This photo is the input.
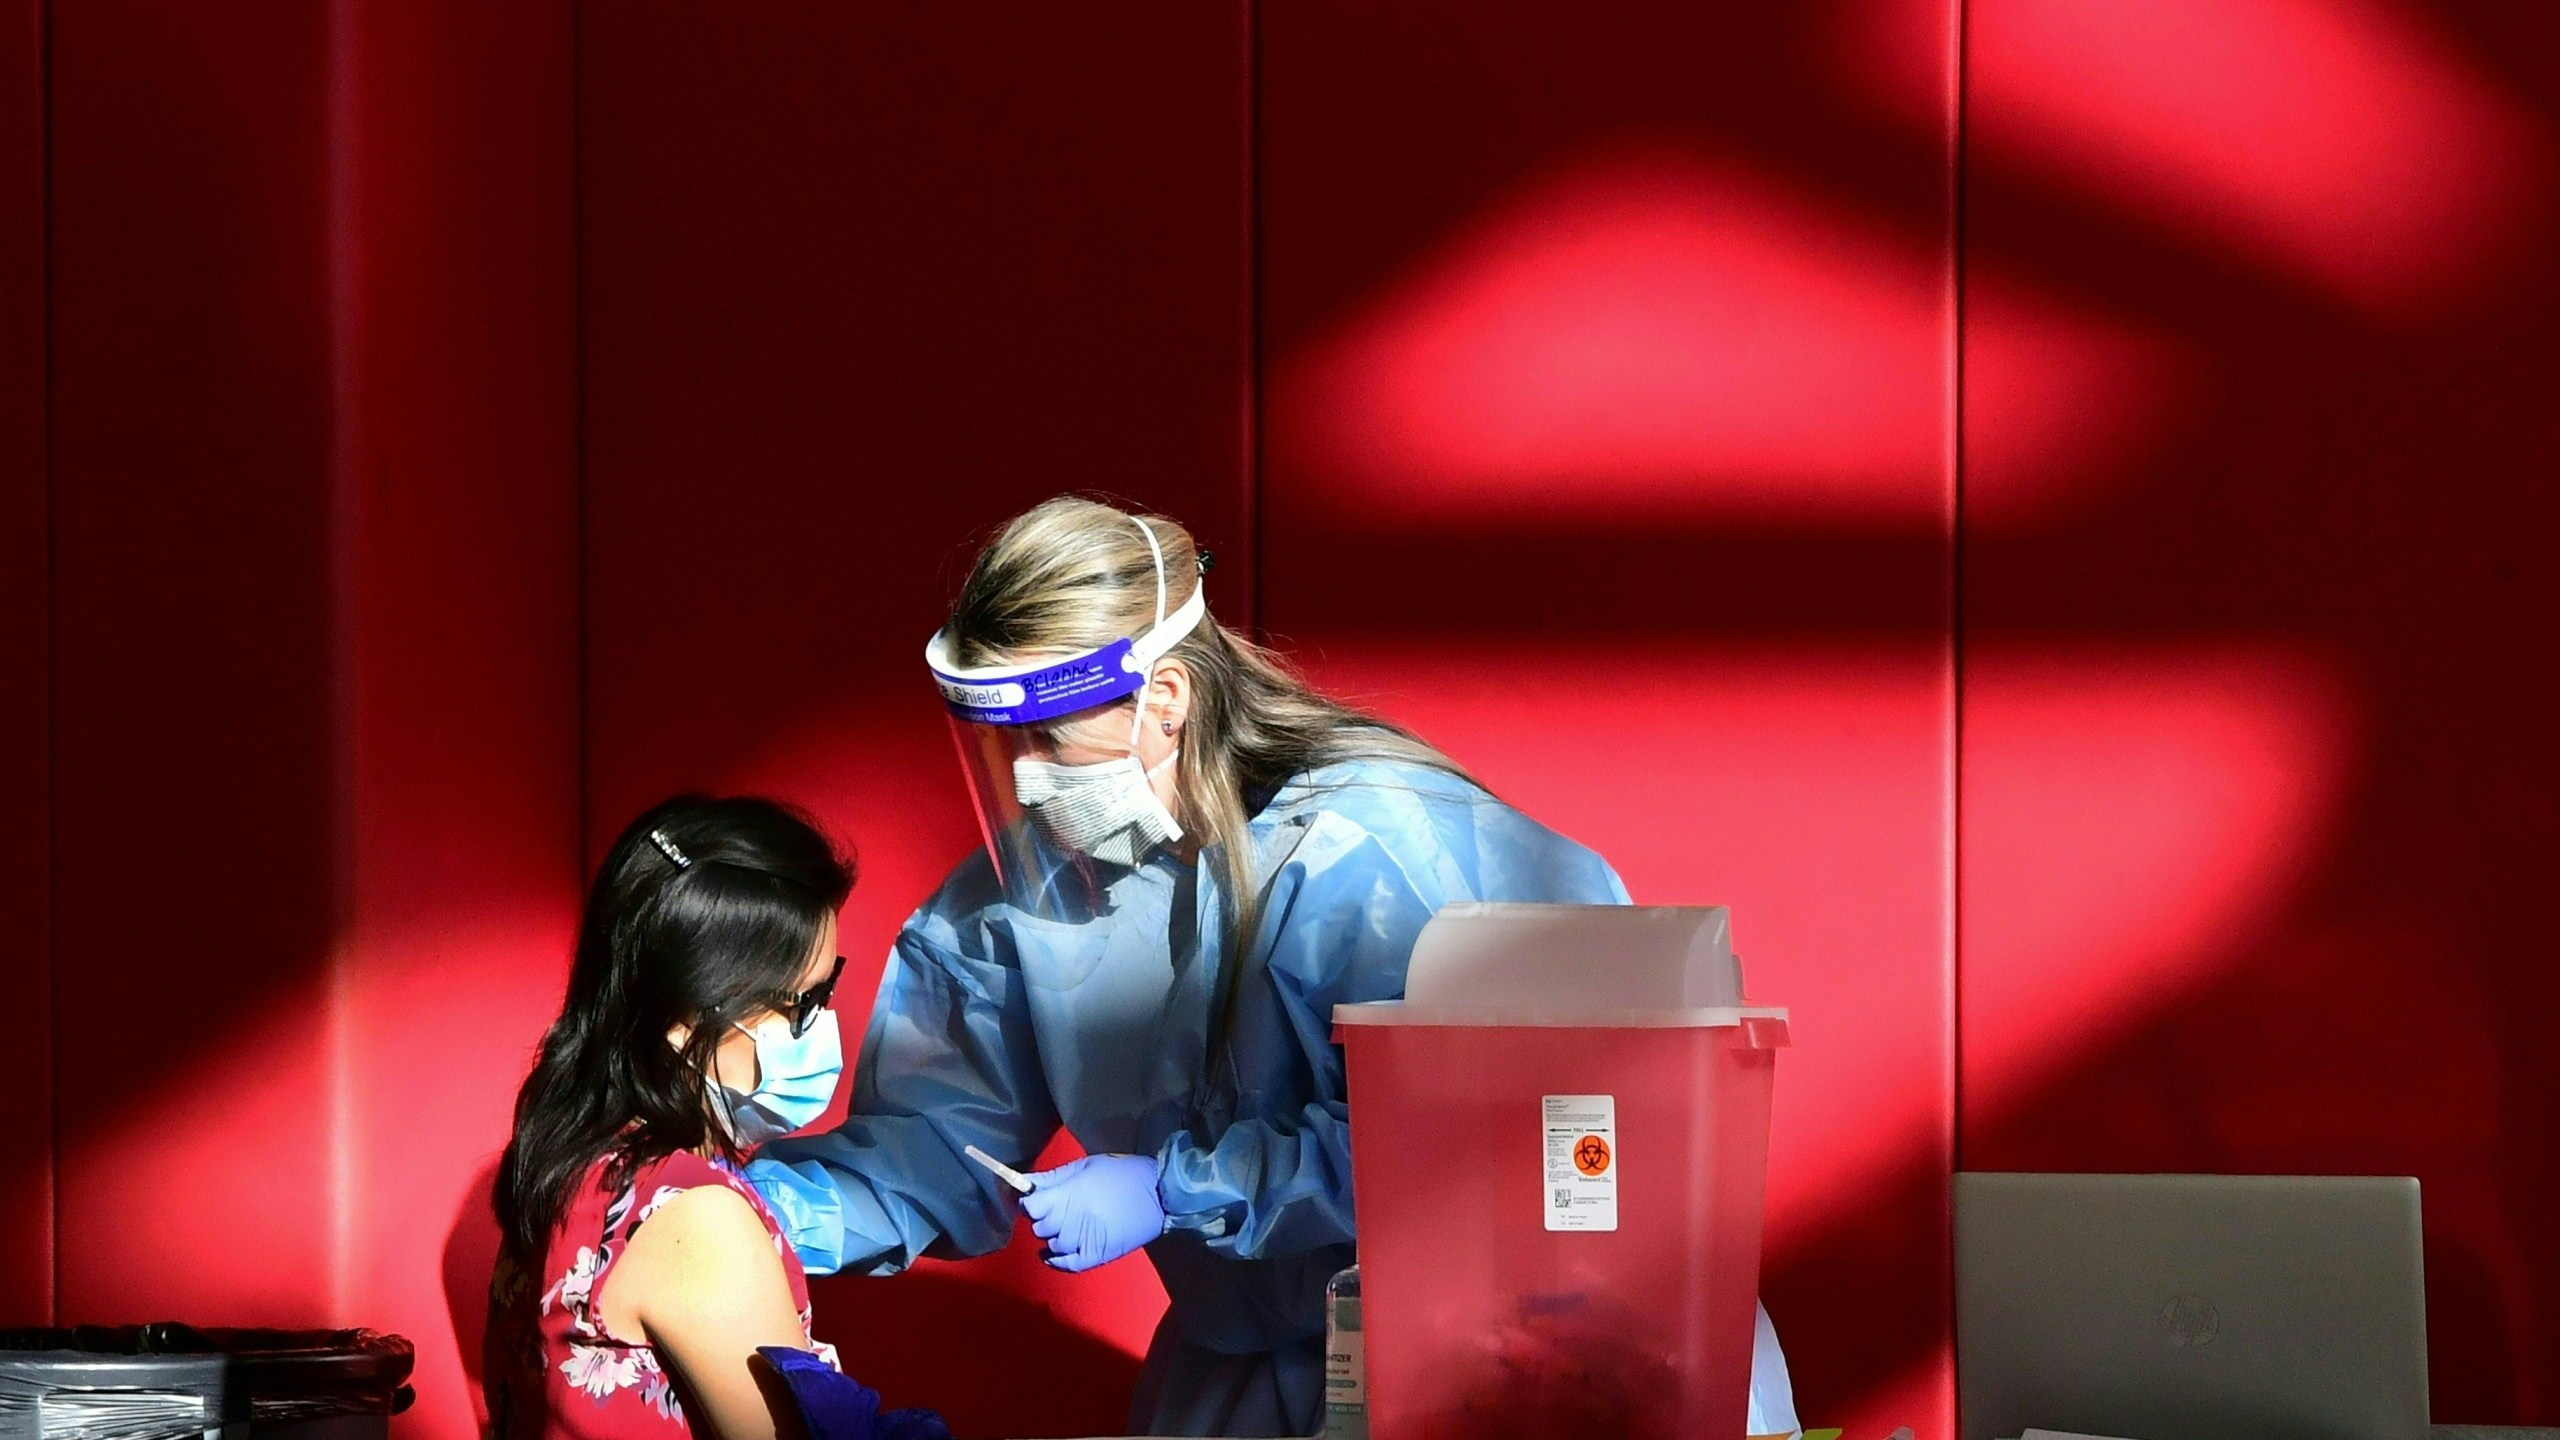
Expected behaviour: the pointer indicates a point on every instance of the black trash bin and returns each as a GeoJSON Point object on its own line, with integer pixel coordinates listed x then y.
{"type": "Point", "coordinates": [167, 1381]}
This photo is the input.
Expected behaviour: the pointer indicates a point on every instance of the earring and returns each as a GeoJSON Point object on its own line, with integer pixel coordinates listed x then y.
{"type": "Point", "coordinates": [1168, 727]}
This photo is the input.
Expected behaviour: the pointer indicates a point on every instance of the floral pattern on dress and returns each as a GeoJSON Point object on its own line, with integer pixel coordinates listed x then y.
{"type": "Point", "coordinates": [816, 1346]}
{"type": "Point", "coordinates": [600, 1370]}
{"type": "Point", "coordinates": [571, 1290]}
{"type": "Point", "coordinates": [554, 1369]}
{"type": "Point", "coordinates": [658, 1388]}
{"type": "Point", "coordinates": [658, 1202]}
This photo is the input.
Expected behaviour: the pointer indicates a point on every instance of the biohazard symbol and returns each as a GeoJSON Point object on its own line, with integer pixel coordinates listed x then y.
{"type": "Point", "coordinates": [1591, 1156]}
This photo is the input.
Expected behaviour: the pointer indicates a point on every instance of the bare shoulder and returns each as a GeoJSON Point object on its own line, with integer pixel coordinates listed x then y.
{"type": "Point", "coordinates": [705, 1249]}
{"type": "Point", "coordinates": [709, 1231]}
{"type": "Point", "coordinates": [710, 1288]}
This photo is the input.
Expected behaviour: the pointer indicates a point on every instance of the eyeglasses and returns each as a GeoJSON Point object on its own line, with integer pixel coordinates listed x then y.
{"type": "Point", "coordinates": [802, 1007]}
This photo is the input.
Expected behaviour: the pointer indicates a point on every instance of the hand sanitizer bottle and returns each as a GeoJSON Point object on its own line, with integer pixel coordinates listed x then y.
{"type": "Point", "coordinates": [1346, 1387]}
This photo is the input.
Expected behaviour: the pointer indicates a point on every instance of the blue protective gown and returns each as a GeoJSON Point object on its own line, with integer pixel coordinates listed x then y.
{"type": "Point", "coordinates": [994, 1027]}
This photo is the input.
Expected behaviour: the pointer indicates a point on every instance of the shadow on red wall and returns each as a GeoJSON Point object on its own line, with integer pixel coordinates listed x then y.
{"type": "Point", "coordinates": [2335, 968]}
{"type": "Point", "coordinates": [2205, 416]}
{"type": "Point", "coordinates": [470, 1258]}
{"type": "Point", "coordinates": [2204, 419]}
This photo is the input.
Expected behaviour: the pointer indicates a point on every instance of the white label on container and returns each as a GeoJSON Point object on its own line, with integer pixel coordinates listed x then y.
{"type": "Point", "coordinates": [1582, 1162]}
{"type": "Point", "coordinates": [1346, 1369]}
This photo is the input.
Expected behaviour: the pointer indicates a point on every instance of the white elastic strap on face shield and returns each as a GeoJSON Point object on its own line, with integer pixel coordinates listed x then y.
{"type": "Point", "coordinates": [1162, 636]}
{"type": "Point", "coordinates": [1168, 631]}
{"type": "Point", "coordinates": [1158, 551]}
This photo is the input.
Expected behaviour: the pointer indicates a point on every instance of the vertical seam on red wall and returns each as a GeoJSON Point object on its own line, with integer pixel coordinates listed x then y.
{"type": "Point", "coordinates": [51, 1244]}
{"type": "Point", "coordinates": [578, 411]}
{"type": "Point", "coordinates": [1962, 10]}
{"type": "Point", "coordinates": [342, 243]}
{"type": "Point", "coordinates": [1955, 576]}
{"type": "Point", "coordinates": [1253, 314]}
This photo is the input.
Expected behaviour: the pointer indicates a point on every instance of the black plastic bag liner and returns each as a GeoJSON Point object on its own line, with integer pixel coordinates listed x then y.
{"type": "Point", "coordinates": [165, 1381]}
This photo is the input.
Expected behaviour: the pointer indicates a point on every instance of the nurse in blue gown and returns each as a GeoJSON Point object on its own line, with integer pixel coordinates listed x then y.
{"type": "Point", "coordinates": [1191, 859]}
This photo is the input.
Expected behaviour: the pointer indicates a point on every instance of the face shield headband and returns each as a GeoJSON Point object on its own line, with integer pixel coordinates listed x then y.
{"type": "Point", "coordinates": [1048, 689]}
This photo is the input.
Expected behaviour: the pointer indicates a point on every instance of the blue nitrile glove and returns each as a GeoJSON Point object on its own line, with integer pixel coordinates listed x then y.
{"type": "Point", "coordinates": [839, 1407]}
{"type": "Point", "coordinates": [808, 1207]}
{"type": "Point", "coordinates": [1094, 1210]}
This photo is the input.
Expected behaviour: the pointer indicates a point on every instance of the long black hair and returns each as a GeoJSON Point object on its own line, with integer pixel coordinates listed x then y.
{"type": "Point", "coordinates": [701, 937]}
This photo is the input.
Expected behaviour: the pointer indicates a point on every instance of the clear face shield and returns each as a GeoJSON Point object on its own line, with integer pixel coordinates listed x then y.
{"type": "Point", "coordinates": [1050, 751]}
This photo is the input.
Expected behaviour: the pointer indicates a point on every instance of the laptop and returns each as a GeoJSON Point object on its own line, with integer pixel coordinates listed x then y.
{"type": "Point", "coordinates": [2189, 1307]}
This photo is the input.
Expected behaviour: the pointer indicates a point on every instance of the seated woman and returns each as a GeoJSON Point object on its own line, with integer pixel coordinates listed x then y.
{"type": "Point", "coordinates": [639, 1272]}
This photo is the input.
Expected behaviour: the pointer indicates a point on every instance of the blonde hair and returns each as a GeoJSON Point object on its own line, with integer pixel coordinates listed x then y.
{"type": "Point", "coordinates": [1075, 574]}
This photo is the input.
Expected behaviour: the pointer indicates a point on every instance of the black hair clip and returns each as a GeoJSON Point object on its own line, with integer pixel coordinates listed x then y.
{"type": "Point", "coordinates": [1208, 562]}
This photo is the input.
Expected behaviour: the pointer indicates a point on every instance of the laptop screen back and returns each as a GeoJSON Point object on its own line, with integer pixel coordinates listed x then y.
{"type": "Point", "coordinates": [2190, 1307]}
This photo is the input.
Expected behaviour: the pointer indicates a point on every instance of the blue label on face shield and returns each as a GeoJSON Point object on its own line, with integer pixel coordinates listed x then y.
{"type": "Point", "coordinates": [1064, 688]}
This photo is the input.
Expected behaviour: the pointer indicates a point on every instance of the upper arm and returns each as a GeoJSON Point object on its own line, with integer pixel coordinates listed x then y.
{"type": "Point", "coordinates": [709, 1287]}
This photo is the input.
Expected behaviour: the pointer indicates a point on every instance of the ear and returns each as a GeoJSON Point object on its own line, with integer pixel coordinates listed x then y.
{"type": "Point", "coordinates": [1167, 697]}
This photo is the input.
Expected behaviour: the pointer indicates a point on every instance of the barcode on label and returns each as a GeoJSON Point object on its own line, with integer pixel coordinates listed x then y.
{"type": "Point", "coordinates": [1564, 1199]}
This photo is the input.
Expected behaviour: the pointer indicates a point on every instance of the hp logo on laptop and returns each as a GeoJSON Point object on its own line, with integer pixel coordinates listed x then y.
{"type": "Point", "coordinates": [2190, 1320]}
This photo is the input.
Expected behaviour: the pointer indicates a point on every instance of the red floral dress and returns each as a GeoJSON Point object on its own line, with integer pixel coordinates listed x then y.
{"type": "Point", "coordinates": [552, 1369]}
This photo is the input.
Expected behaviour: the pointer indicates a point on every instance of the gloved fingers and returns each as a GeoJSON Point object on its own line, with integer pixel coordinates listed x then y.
{"type": "Point", "coordinates": [1037, 1205]}
{"type": "Point", "coordinates": [1073, 1262]}
{"type": "Point", "coordinates": [1048, 1226]}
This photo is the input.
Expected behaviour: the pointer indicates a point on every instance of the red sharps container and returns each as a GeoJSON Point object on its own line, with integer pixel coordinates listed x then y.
{"type": "Point", "coordinates": [1560, 1143]}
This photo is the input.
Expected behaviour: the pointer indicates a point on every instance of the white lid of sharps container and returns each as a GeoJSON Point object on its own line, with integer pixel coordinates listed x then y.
{"type": "Point", "coordinates": [1480, 963]}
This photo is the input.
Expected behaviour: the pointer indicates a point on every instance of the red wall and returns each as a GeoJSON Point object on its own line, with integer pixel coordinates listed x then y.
{"type": "Point", "coordinates": [2259, 781]}
{"type": "Point", "coordinates": [859, 283]}
{"type": "Point", "coordinates": [458, 661]}
{"type": "Point", "coordinates": [1607, 438]}
{"type": "Point", "coordinates": [313, 631]}
{"type": "Point", "coordinates": [2038, 506]}
{"type": "Point", "coordinates": [26, 852]}
{"type": "Point", "coordinates": [192, 578]}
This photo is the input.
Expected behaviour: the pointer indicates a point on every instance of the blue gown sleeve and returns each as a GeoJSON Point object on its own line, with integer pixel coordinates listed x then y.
{"type": "Point", "coordinates": [947, 1062]}
{"type": "Point", "coordinates": [1345, 910]}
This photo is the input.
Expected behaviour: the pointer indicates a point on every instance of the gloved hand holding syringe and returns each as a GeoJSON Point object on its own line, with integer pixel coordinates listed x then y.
{"type": "Point", "coordinates": [1091, 1211]}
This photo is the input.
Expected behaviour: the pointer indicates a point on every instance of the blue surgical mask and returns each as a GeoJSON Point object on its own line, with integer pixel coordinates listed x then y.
{"type": "Point", "coordinates": [796, 1076]}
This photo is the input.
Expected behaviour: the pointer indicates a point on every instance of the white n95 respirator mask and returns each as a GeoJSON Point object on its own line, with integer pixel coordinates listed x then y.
{"type": "Point", "coordinates": [795, 1077]}
{"type": "Point", "coordinates": [1108, 811]}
